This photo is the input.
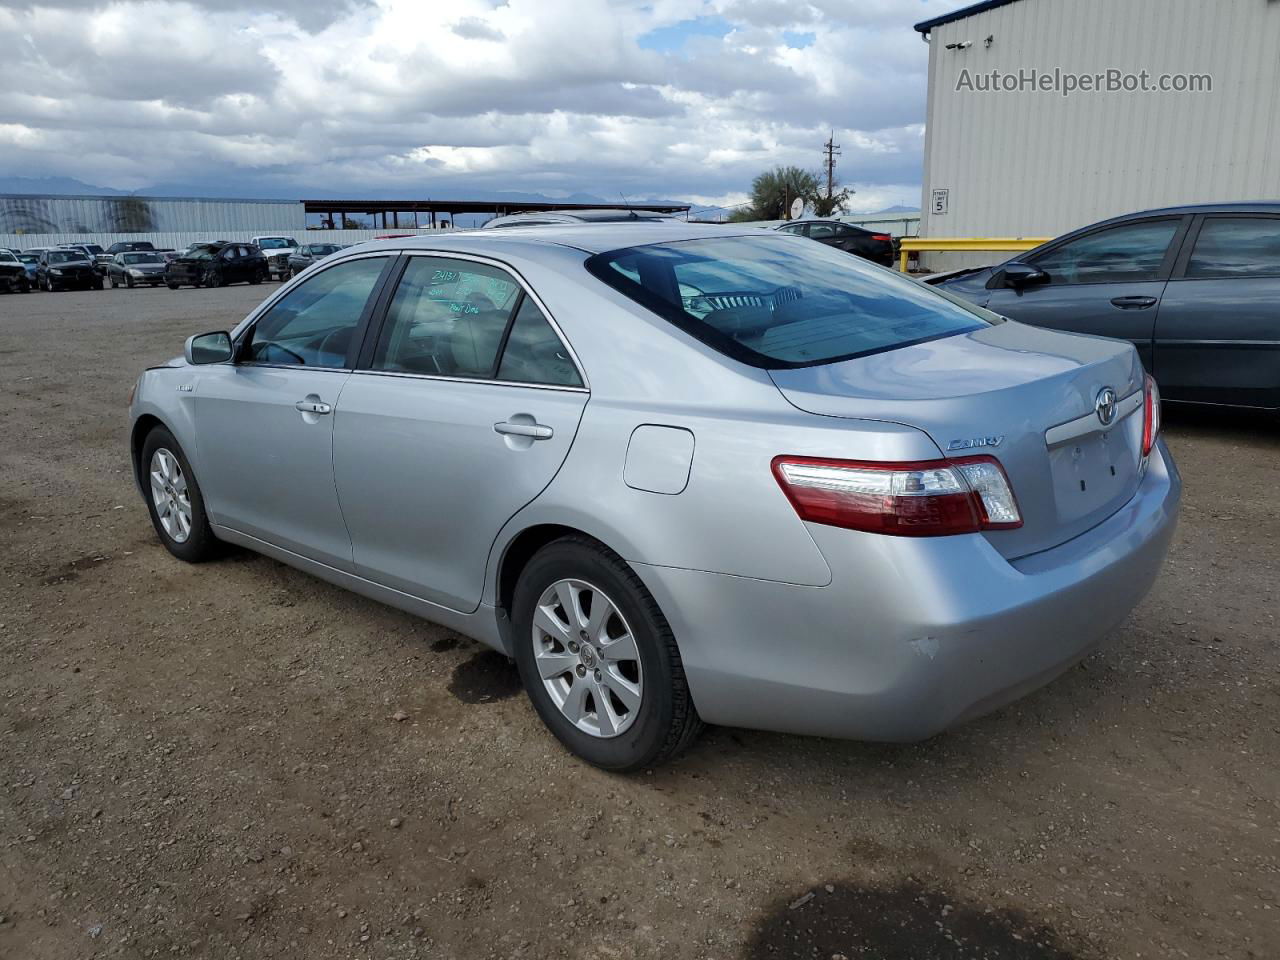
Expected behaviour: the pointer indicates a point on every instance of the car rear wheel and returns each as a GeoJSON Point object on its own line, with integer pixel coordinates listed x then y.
{"type": "Point", "coordinates": [598, 659]}
{"type": "Point", "coordinates": [174, 499]}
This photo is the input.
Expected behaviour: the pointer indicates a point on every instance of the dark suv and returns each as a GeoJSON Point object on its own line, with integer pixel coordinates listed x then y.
{"type": "Point", "coordinates": [217, 264]}
{"type": "Point", "coordinates": [67, 269]}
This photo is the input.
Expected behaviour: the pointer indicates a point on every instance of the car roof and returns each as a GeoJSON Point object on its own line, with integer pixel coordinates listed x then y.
{"type": "Point", "coordinates": [587, 237]}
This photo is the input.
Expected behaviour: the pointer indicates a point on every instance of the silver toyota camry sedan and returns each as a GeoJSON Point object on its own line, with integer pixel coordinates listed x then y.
{"type": "Point", "coordinates": [680, 473]}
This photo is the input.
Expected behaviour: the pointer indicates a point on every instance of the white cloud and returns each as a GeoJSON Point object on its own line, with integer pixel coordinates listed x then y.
{"type": "Point", "coordinates": [554, 96]}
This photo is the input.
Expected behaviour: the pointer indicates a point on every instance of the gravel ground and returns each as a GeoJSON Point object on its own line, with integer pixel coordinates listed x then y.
{"type": "Point", "coordinates": [236, 760]}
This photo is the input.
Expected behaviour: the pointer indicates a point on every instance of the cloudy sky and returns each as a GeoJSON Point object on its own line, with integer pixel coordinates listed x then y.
{"type": "Point", "coordinates": [650, 98]}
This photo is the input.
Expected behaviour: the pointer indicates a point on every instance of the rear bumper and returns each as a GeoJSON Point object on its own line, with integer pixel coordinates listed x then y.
{"type": "Point", "coordinates": [913, 635]}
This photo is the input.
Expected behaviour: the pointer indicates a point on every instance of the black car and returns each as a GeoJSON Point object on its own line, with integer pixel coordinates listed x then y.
{"type": "Point", "coordinates": [1194, 288]}
{"type": "Point", "coordinates": [13, 275]}
{"type": "Point", "coordinates": [67, 270]}
{"type": "Point", "coordinates": [876, 247]}
{"type": "Point", "coordinates": [93, 250]}
{"type": "Point", "coordinates": [217, 264]}
{"type": "Point", "coordinates": [307, 254]}
{"type": "Point", "coordinates": [136, 269]}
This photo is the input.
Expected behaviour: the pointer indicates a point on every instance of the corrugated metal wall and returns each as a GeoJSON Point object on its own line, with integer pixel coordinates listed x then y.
{"type": "Point", "coordinates": [179, 241]}
{"type": "Point", "coordinates": [44, 215]}
{"type": "Point", "coordinates": [1039, 164]}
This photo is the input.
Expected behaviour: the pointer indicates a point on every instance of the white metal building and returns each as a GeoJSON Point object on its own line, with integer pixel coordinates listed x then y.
{"type": "Point", "coordinates": [1040, 159]}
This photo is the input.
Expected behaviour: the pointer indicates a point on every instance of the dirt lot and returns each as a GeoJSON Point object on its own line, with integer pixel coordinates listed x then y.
{"type": "Point", "coordinates": [204, 761]}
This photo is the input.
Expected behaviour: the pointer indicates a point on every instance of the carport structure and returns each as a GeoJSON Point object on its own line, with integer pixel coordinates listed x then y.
{"type": "Point", "coordinates": [429, 214]}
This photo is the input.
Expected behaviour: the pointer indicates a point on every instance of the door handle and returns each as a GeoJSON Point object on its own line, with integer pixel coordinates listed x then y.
{"type": "Point", "coordinates": [535, 431]}
{"type": "Point", "coordinates": [1133, 303]}
{"type": "Point", "coordinates": [312, 406]}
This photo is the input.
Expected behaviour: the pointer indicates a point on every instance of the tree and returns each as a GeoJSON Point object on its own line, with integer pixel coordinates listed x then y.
{"type": "Point", "coordinates": [773, 191]}
{"type": "Point", "coordinates": [824, 205]}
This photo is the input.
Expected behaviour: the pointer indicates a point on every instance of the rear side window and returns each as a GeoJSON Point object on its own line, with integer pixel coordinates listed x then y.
{"type": "Point", "coordinates": [447, 318]}
{"type": "Point", "coordinates": [1128, 253]}
{"type": "Point", "coordinates": [534, 354]}
{"type": "Point", "coordinates": [1236, 247]}
{"type": "Point", "coordinates": [771, 302]}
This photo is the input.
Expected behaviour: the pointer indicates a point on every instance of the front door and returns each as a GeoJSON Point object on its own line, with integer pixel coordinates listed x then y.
{"type": "Point", "coordinates": [463, 415]}
{"type": "Point", "coordinates": [1218, 336]}
{"type": "Point", "coordinates": [1107, 282]}
{"type": "Point", "coordinates": [264, 424]}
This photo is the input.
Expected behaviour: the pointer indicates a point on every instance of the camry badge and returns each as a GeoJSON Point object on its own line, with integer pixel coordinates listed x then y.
{"type": "Point", "coordinates": [976, 442]}
{"type": "Point", "coordinates": [1105, 406]}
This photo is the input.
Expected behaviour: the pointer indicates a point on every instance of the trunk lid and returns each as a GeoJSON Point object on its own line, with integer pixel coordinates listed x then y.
{"type": "Point", "coordinates": [1034, 389]}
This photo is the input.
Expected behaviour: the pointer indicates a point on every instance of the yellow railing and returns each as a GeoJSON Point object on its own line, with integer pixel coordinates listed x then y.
{"type": "Point", "coordinates": [957, 244]}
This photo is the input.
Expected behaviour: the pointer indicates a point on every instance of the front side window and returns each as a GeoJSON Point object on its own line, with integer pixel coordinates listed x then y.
{"type": "Point", "coordinates": [774, 303]}
{"type": "Point", "coordinates": [1236, 247]}
{"type": "Point", "coordinates": [1130, 253]}
{"type": "Point", "coordinates": [447, 318]}
{"type": "Point", "coordinates": [314, 324]}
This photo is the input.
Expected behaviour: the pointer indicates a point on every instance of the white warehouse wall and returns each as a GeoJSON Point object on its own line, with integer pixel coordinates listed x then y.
{"type": "Point", "coordinates": [1040, 164]}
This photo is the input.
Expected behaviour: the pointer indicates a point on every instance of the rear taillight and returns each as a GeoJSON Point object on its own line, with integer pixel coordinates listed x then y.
{"type": "Point", "coordinates": [882, 237]}
{"type": "Point", "coordinates": [1150, 415]}
{"type": "Point", "coordinates": [923, 499]}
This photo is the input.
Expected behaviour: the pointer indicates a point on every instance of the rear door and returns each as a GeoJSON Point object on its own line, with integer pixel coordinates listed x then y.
{"type": "Point", "coordinates": [460, 415]}
{"type": "Point", "coordinates": [1217, 338]}
{"type": "Point", "coordinates": [1106, 282]}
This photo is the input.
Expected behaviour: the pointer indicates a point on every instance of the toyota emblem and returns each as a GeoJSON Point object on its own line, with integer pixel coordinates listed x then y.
{"type": "Point", "coordinates": [1105, 406]}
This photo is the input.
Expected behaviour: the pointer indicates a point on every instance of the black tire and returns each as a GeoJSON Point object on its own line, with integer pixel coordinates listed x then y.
{"type": "Point", "coordinates": [128, 281]}
{"type": "Point", "coordinates": [666, 722]}
{"type": "Point", "coordinates": [114, 284]}
{"type": "Point", "coordinates": [171, 285]}
{"type": "Point", "coordinates": [201, 544]}
{"type": "Point", "coordinates": [212, 278]}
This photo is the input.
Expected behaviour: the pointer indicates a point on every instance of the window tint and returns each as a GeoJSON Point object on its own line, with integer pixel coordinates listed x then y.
{"type": "Point", "coordinates": [447, 318]}
{"type": "Point", "coordinates": [771, 302]}
{"type": "Point", "coordinates": [821, 231]}
{"type": "Point", "coordinates": [314, 323]}
{"type": "Point", "coordinates": [1236, 247]}
{"type": "Point", "coordinates": [534, 353]}
{"type": "Point", "coordinates": [794, 228]}
{"type": "Point", "coordinates": [1130, 252]}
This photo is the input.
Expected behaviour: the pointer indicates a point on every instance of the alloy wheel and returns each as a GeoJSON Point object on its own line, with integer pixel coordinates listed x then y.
{"type": "Point", "coordinates": [587, 658]}
{"type": "Point", "coordinates": [170, 496]}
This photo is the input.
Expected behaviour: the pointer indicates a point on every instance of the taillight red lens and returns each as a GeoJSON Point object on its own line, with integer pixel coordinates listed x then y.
{"type": "Point", "coordinates": [929, 498]}
{"type": "Point", "coordinates": [1150, 415]}
{"type": "Point", "coordinates": [882, 237]}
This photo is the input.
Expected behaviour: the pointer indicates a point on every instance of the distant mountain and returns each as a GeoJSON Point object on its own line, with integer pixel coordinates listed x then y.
{"type": "Point", "coordinates": [54, 185]}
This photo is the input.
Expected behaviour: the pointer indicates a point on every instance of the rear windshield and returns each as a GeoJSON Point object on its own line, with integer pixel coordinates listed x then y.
{"type": "Point", "coordinates": [778, 301]}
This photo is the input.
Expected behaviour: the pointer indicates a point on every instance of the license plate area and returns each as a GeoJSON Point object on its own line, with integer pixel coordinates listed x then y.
{"type": "Point", "coordinates": [1096, 472]}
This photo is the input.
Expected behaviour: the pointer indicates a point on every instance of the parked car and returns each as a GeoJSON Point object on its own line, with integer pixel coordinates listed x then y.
{"type": "Point", "coordinates": [876, 247]}
{"type": "Point", "coordinates": [133, 269]}
{"type": "Point", "coordinates": [93, 251]}
{"type": "Point", "coordinates": [544, 218]}
{"type": "Point", "coordinates": [1194, 288]}
{"type": "Point", "coordinates": [216, 265]}
{"type": "Point", "coordinates": [307, 255]}
{"type": "Point", "coordinates": [31, 261]}
{"type": "Point", "coordinates": [277, 250]}
{"type": "Point", "coordinates": [902, 511]}
{"type": "Point", "coordinates": [67, 269]}
{"type": "Point", "coordinates": [13, 275]}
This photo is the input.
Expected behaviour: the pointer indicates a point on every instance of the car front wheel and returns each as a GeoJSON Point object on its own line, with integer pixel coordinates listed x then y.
{"type": "Point", "coordinates": [174, 499]}
{"type": "Point", "coordinates": [598, 659]}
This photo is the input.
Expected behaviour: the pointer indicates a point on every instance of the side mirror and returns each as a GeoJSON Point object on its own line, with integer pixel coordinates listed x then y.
{"type": "Point", "coordinates": [208, 348]}
{"type": "Point", "coordinates": [1017, 275]}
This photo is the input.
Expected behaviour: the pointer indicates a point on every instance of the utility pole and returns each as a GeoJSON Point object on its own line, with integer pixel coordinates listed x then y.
{"type": "Point", "coordinates": [832, 150]}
